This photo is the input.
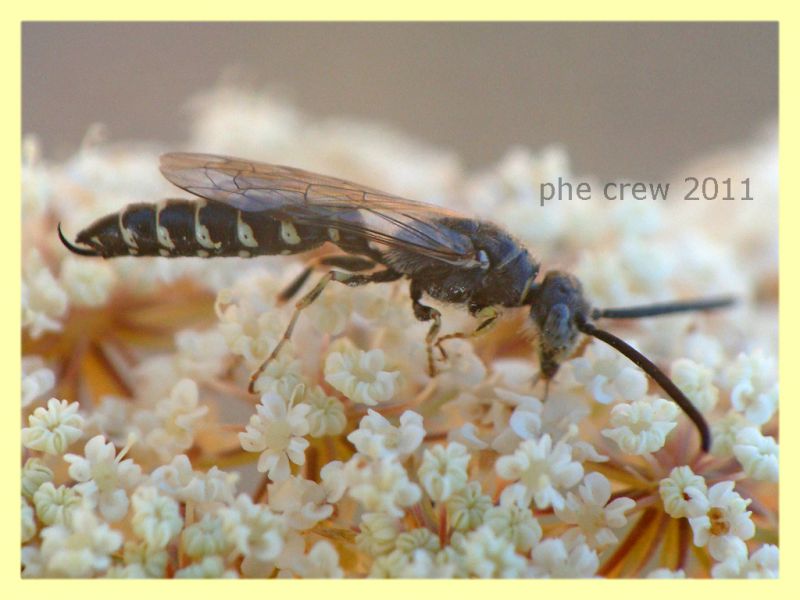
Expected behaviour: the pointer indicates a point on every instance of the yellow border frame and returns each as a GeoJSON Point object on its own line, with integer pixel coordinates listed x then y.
{"type": "Point", "coordinates": [409, 10]}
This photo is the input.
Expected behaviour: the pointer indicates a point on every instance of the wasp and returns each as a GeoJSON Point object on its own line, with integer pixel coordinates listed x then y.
{"type": "Point", "coordinates": [245, 208]}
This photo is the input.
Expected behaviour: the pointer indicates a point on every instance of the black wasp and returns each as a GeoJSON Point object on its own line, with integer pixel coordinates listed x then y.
{"type": "Point", "coordinates": [248, 208]}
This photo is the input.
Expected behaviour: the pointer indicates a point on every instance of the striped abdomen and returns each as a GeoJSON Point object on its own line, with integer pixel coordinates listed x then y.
{"type": "Point", "coordinates": [202, 228]}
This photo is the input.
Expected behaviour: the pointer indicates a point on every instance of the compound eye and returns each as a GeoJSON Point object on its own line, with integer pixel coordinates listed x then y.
{"type": "Point", "coordinates": [483, 258]}
{"type": "Point", "coordinates": [557, 325]}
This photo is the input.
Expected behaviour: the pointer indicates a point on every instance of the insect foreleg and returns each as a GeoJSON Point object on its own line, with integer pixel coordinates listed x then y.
{"type": "Point", "coordinates": [349, 279]}
{"type": "Point", "coordinates": [350, 263]}
{"type": "Point", "coordinates": [488, 318]}
{"type": "Point", "coordinates": [426, 313]}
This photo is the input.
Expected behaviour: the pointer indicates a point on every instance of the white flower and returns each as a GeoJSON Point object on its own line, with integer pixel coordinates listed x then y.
{"type": "Point", "coordinates": [757, 453]}
{"type": "Point", "coordinates": [542, 470]}
{"type": "Point", "coordinates": [492, 409]}
{"type": "Point", "coordinates": [696, 381]}
{"type": "Point", "coordinates": [132, 571]}
{"type": "Point", "coordinates": [724, 432]}
{"type": "Point", "coordinates": [421, 564]}
{"type": "Point", "coordinates": [395, 564]}
{"type": "Point", "coordinates": [666, 574]}
{"type": "Point", "coordinates": [334, 480]}
{"type": "Point", "coordinates": [703, 348]}
{"type": "Point", "coordinates": [277, 431]}
{"type": "Point", "coordinates": [87, 282]}
{"type": "Point", "coordinates": [488, 554]}
{"type": "Point", "coordinates": [635, 270]}
{"type": "Point", "coordinates": [566, 557]}
{"type": "Point", "coordinates": [37, 380]}
{"type": "Point", "coordinates": [31, 562]}
{"type": "Point", "coordinates": [417, 539]}
{"type": "Point", "coordinates": [37, 182]}
{"type": "Point", "coordinates": [326, 416]}
{"type": "Point", "coordinates": [253, 529]}
{"type": "Point", "coordinates": [54, 428]}
{"type": "Point", "coordinates": [34, 474]}
{"type": "Point", "coordinates": [156, 377]}
{"type": "Point", "coordinates": [56, 505]}
{"type": "Point", "coordinates": [300, 501]}
{"type": "Point", "coordinates": [113, 418]}
{"type": "Point", "coordinates": [376, 437]}
{"type": "Point", "coordinates": [642, 426]}
{"type": "Point", "coordinates": [140, 556]}
{"type": "Point", "coordinates": [104, 477]}
{"type": "Point", "coordinates": [200, 354]}
{"type": "Point", "coordinates": [515, 523]}
{"type": "Point", "coordinates": [205, 538]}
{"type": "Point", "coordinates": [331, 312]}
{"type": "Point", "coordinates": [463, 369]}
{"type": "Point", "coordinates": [754, 387]}
{"type": "Point", "coordinates": [727, 518]}
{"type": "Point", "coordinates": [607, 375]}
{"type": "Point", "coordinates": [444, 470]}
{"type": "Point", "coordinates": [513, 185]}
{"type": "Point", "coordinates": [281, 375]}
{"type": "Point", "coordinates": [381, 486]}
{"type": "Point", "coordinates": [525, 424]}
{"type": "Point", "coordinates": [321, 562]}
{"type": "Point", "coordinates": [732, 557]}
{"type": "Point", "coordinates": [178, 417]}
{"type": "Point", "coordinates": [467, 435]}
{"type": "Point", "coordinates": [583, 451]}
{"type": "Point", "coordinates": [360, 376]}
{"type": "Point", "coordinates": [248, 317]}
{"type": "Point", "coordinates": [156, 518]}
{"type": "Point", "coordinates": [763, 563]}
{"type": "Point", "coordinates": [44, 302]}
{"type": "Point", "coordinates": [466, 507]}
{"type": "Point", "coordinates": [594, 515]}
{"type": "Point", "coordinates": [683, 493]}
{"type": "Point", "coordinates": [210, 567]}
{"type": "Point", "coordinates": [180, 481]}
{"type": "Point", "coordinates": [82, 549]}
{"type": "Point", "coordinates": [377, 533]}
{"type": "Point", "coordinates": [28, 521]}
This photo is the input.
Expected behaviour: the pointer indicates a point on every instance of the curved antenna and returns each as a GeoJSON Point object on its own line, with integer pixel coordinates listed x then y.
{"type": "Point", "coordinates": [658, 376]}
{"type": "Point", "coordinates": [666, 308]}
{"type": "Point", "coordinates": [73, 248]}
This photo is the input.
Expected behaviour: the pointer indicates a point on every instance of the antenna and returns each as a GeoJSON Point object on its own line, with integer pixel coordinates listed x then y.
{"type": "Point", "coordinates": [653, 371]}
{"type": "Point", "coordinates": [666, 308]}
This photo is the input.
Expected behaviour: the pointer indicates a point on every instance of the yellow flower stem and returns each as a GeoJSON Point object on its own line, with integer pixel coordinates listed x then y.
{"type": "Point", "coordinates": [261, 494]}
{"type": "Point", "coordinates": [443, 529]}
{"type": "Point", "coordinates": [616, 562]}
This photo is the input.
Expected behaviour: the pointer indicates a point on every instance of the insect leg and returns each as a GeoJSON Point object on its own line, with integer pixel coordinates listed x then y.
{"type": "Point", "coordinates": [350, 263]}
{"type": "Point", "coordinates": [488, 316]}
{"type": "Point", "coordinates": [426, 313]}
{"type": "Point", "coordinates": [349, 279]}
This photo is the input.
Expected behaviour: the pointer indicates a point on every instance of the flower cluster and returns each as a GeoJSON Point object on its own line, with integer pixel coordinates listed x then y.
{"type": "Point", "coordinates": [144, 454]}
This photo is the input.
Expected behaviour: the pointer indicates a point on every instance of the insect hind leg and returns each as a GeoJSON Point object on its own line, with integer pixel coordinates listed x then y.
{"type": "Point", "coordinates": [349, 263]}
{"type": "Point", "coordinates": [350, 279]}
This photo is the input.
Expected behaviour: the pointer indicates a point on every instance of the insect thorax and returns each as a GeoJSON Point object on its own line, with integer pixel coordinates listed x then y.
{"type": "Point", "coordinates": [500, 273]}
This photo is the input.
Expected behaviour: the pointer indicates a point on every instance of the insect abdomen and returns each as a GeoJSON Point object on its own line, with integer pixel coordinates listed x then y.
{"type": "Point", "coordinates": [203, 228]}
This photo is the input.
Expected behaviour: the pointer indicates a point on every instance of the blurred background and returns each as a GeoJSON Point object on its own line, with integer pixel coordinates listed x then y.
{"type": "Point", "coordinates": [625, 99]}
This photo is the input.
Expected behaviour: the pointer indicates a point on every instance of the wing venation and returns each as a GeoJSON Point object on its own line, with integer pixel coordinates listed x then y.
{"type": "Point", "coordinates": [321, 200]}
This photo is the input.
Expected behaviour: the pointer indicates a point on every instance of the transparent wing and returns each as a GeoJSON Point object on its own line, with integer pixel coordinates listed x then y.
{"type": "Point", "coordinates": [320, 200]}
